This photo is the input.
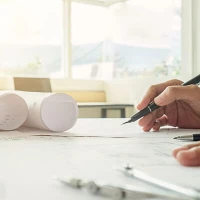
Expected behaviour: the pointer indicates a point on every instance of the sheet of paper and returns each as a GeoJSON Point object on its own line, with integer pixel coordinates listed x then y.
{"type": "Point", "coordinates": [27, 174]}
{"type": "Point", "coordinates": [109, 128]}
{"type": "Point", "coordinates": [113, 128]}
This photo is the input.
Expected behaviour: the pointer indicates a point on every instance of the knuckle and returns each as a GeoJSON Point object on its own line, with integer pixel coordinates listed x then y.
{"type": "Point", "coordinates": [177, 81]}
{"type": "Point", "coordinates": [153, 89]}
{"type": "Point", "coordinates": [171, 90]}
{"type": "Point", "coordinates": [174, 82]}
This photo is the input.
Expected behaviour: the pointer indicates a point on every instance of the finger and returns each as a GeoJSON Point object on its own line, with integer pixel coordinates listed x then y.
{"type": "Point", "coordinates": [147, 122]}
{"type": "Point", "coordinates": [190, 93]}
{"type": "Point", "coordinates": [162, 121]}
{"type": "Point", "coordinates": [176, 151]}
{"type": "Point", "coordinates": [151, 117]}
{"type": "Point", "coordinates": [190, 157]}
{"type": "Point", "coordinates": [156, 126]}
{"type": "Point", "coordinates": [154, 91]}
{"type": "Point", "coordinates": [188, 146]}
{"type": "Point", "coordinates": [150, 125]}
{"type": "Point", "coordinates": [185, 147]}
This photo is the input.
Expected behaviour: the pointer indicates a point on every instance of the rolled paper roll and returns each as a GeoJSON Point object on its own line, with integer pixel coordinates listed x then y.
{"type": "Point", "coordinates": [50, 111]}
{"type": "Point", "coordinates": [13, 111]}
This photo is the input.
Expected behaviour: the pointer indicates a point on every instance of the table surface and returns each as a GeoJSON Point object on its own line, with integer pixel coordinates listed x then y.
{"type": "Point", "coordinates": [28, 163]}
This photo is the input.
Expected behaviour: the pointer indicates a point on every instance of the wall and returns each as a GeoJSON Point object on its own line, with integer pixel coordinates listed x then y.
{"type": "Point", "coordinates": [129, 91]}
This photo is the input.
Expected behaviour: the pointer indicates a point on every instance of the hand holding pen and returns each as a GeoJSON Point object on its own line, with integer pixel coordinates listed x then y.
{"type": "Point", "coordinates": [178, 106]}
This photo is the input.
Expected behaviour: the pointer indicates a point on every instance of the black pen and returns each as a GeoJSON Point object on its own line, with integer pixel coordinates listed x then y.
{"type": "Point", "coordinates": [193, 137]}
{"type": "Point", "coordinates": [152, 106]}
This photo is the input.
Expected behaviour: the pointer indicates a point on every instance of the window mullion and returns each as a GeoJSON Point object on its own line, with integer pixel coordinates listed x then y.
{"type": "Point", "coordinates": [195, 36]}
{"type": "Point", "coordinates": [187, 57]}
{"type": "Point", "coordinates": [67, 47]}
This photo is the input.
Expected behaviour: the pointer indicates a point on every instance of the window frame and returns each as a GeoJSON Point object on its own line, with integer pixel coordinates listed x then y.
{"type": "Point", "coordinates": [195, 37]}
{"type": "Point", "coordinates": [187, 46]}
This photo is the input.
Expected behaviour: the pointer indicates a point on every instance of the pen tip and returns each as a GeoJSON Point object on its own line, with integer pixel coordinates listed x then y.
{"type": "Point", "coordinates": [127, 122]}
{"type": "Point", "coordinates": [124, 123]}
{"type": "Point", "coordinates": [175, 138]}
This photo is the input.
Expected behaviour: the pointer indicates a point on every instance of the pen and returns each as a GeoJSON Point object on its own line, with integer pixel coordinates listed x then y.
{"type": "Point", "coordinates": [152, 106]}
{"type": "Point", "coordinates": [193, 137]}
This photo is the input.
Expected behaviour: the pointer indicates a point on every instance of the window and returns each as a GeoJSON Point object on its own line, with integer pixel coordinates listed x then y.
{"type": "Point", "coordinates": [110, 39]}
{"type": "Point", "coordinates": [127, 39]}
{"type": "Point", "coordinates": [88, 36]}
{"type": "Point", "coordinates": [30, 37]}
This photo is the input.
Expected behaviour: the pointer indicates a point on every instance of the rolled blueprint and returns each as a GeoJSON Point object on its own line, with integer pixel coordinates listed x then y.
{"type": "Point", "coordinates": [50, 111]}
{"type": "Point", "coordinates": [13, 111]}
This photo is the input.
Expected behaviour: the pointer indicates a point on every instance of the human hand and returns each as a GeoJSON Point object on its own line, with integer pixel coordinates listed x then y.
{"type": "Point", "coordinates": [188, 155]}
{"type": "Point", "coordinates": [180, 106]}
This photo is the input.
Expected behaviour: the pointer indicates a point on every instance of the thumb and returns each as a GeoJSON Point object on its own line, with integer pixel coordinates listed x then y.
{"type": "Point", "coordinates": [190, 93]}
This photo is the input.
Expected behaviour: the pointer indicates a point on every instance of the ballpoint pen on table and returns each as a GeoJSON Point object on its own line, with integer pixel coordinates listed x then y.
{"type": "Point", "coordinates": [186, 192]}
{"type": "Point", "coordinates": [112, 191]}
{"type": "Point", "coordinates": [152, 106]}
{"type": "Point", "coordinates": [193, 137]}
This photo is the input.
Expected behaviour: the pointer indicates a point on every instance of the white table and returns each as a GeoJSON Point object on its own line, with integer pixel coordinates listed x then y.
{"type": "Point", "coordinates": [28, 163]}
